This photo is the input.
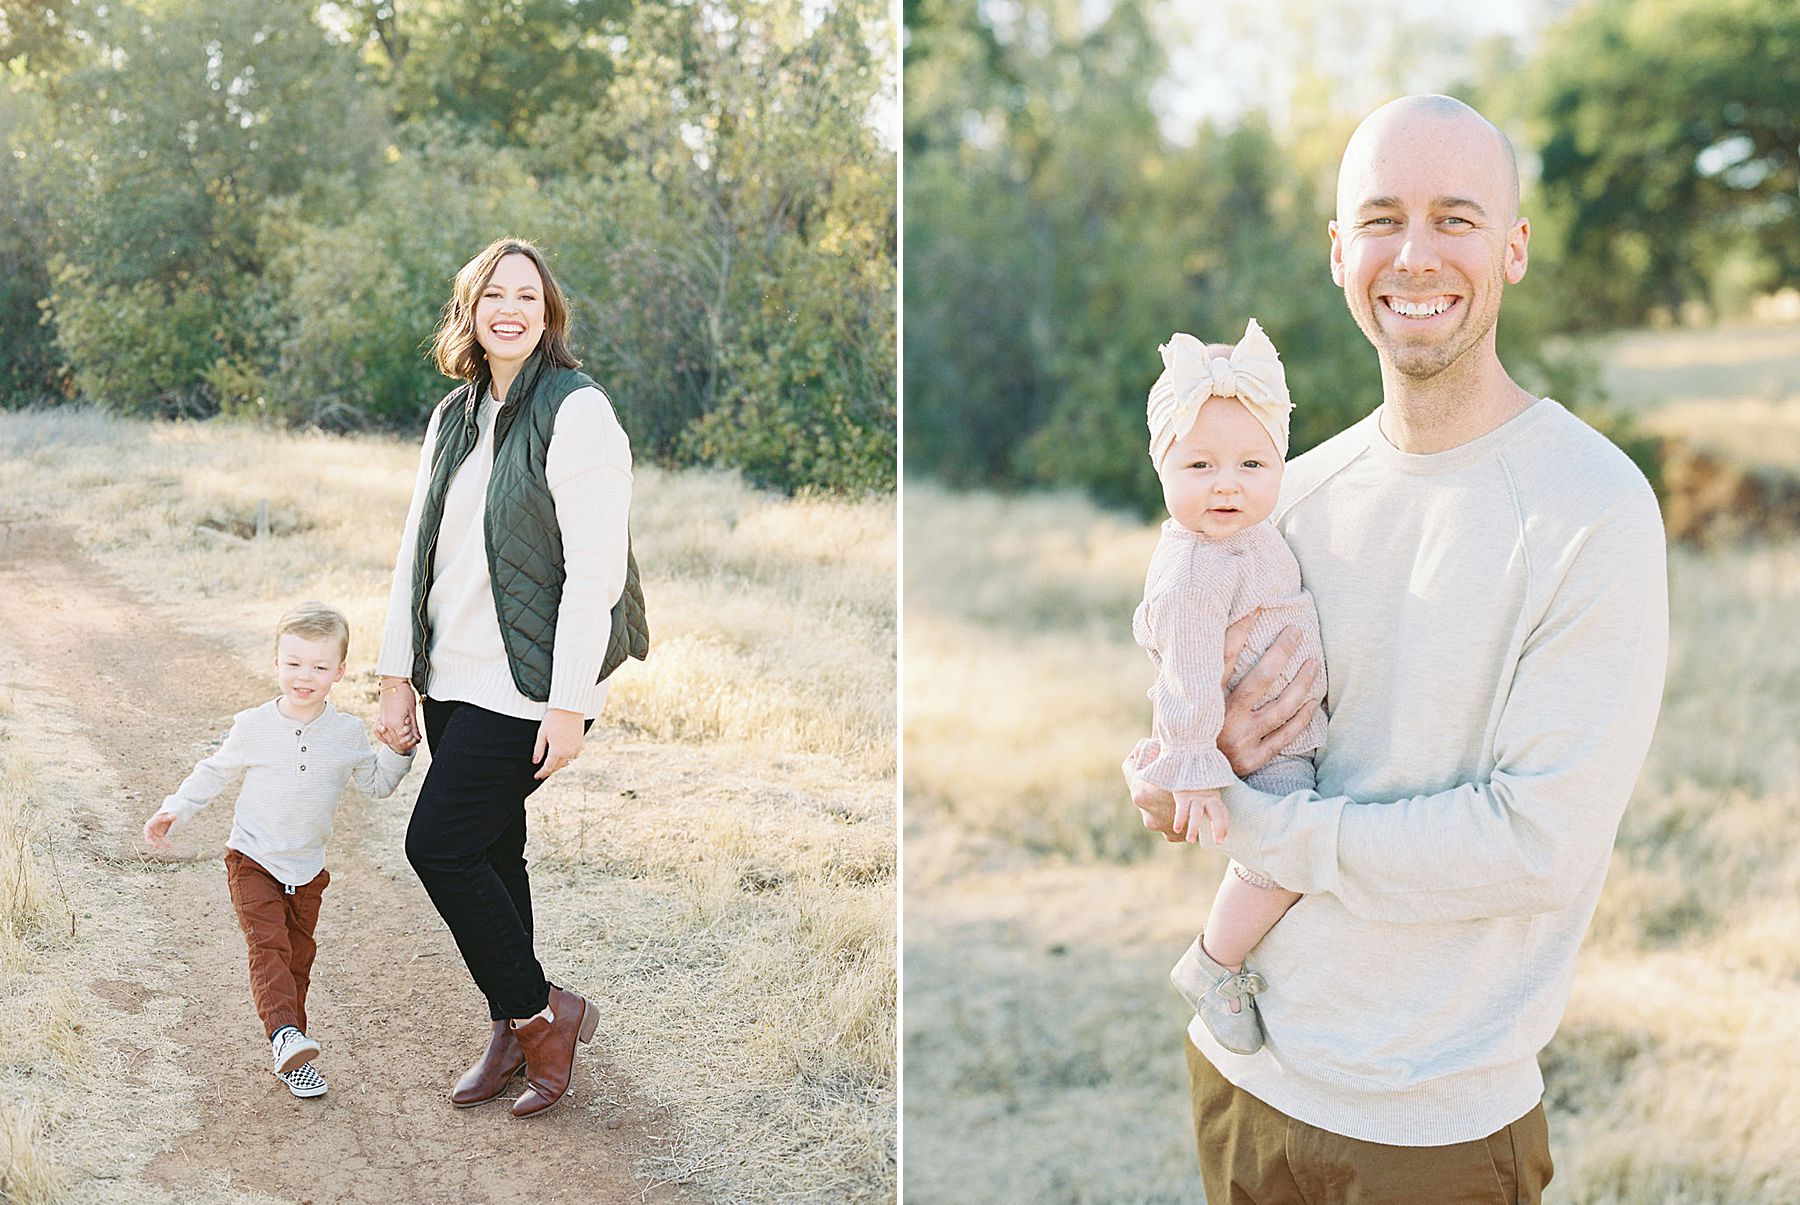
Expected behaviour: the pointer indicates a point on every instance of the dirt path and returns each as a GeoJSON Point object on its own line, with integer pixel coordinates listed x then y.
{"type": "Point", "coordinates": [391, 1002]}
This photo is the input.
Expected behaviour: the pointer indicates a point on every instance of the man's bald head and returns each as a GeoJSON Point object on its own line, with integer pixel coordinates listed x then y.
{"type": "Point", "coordinates": [1435, 121]}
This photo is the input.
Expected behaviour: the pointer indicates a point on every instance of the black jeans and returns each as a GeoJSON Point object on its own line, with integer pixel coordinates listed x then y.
{"type": "Point", "coordinates": [466, 842]}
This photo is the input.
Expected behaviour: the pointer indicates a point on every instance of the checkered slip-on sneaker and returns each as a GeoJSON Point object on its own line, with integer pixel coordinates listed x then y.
{"type": "Point", "coordinates": [303, 1080]}
{"type": "Point", "coordinates": [290, 1048]}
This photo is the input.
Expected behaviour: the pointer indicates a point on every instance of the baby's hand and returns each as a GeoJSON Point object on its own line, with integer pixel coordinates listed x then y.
{"type": "Point", "coordinates": [156, 829]}
{"type": "Point", "coordinates": [1191, 807]}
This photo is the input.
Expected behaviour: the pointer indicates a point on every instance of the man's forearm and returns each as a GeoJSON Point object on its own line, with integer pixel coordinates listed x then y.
{"type": "Point", "coordinates": [1577, 712]}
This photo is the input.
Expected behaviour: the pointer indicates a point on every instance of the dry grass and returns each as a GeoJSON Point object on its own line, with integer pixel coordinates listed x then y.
{"type": "Point", "coordinates": [1055, 1075]}
{"type": "Point", "coordinates": [1731, 390]}
{"type": "Point", "coordinates": [76, 1083]}
{"type": "Point", "coordinates": [26, 1177]}
{"type": "Point", "coordinates": [1020, 664]}
{"type": "Point", "coordinates": [773, 618]}
{"type": "Point", "coordinates": [1734, 360]}
{"type": "Point", "coordinates": [722, 859]}
{"type": "Point", "coordinates": [27, 1173]}
{"type": "Point", "coordinates": [25, 903]}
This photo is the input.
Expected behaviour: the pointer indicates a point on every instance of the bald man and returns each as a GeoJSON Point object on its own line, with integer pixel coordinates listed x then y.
{"type": "Point", "coordinates": [1490, 579]}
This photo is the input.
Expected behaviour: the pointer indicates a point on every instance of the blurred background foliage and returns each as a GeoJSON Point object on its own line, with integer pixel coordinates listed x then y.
{"type": "Point", "coordinates": [257, 209]}
{"type": "Point", "coordinates": [1063, 217]}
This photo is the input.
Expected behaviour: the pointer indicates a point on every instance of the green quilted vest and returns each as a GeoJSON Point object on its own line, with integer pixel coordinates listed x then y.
{"type": "Point", "coordinates": [524, 543]}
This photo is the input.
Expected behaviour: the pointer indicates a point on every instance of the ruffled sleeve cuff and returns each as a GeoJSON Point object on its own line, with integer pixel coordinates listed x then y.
{"type": "Point", "coordinates": [1196, 768]}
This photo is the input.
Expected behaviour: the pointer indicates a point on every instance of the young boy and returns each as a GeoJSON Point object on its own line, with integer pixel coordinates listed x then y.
{"type": "Point", "coordinates": [295, 753]}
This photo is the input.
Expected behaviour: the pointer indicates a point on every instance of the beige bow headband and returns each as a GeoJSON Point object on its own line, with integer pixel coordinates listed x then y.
{"type": "Point", "coordinates": [1253, 375]}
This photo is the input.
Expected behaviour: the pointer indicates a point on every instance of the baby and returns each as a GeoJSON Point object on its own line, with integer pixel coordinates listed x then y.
{"type": "Point", "coordinates": [1218, 420]}
{"type": "Point", "coordinates": [295, 752]}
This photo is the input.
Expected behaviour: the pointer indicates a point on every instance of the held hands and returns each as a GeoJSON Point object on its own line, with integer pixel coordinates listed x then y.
{"type": "Point", "coordinates": [156, 829]}
{"type": "Point", "coordinates": [558, 741]}
{"type": "Point", "coordinates": [1156, 806]}
{"type": "Point", "coordinates": [1191, 807]}
{"type": "Point", "coordinates": [397, 726]}
{"type": "Point", "coordinates": [1178, 816]}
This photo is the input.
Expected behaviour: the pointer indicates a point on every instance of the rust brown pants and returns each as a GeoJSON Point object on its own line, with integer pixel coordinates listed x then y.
{"type": "Point", "coordinates": [278, 928]}
{"type": "Point", "coordinates": [1249, 1152]}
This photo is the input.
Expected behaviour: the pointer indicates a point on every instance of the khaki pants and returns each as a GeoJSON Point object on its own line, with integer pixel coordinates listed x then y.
{"type": "Point", "coordinates": [278, 928]}
{"type": "Point", "coordinates": [1249, 1152]}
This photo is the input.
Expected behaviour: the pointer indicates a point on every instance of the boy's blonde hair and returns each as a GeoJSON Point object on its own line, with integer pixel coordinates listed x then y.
{"type": "Point", "coordinates": [315, 621]}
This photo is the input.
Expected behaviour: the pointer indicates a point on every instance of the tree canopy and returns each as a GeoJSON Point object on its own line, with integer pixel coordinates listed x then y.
{"type": "Point", "coordinates": [258, 209]}
{"type": "Point", "coordinates": [1058, 230]}
{"type": "Point", "coordinates": [1669, 138]}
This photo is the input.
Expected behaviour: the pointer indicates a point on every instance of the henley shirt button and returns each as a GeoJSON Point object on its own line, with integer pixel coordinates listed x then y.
{"type": "Point", "coordinates": [303, 748]}
{"type": "Point", "coordinates": [303, 767]}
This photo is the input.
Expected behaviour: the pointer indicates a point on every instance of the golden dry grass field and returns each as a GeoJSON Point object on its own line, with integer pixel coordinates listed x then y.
{"type": "Point", "coordinates": [1042, 1040]}
{"type": "Point", "coordinates": [717, 872]}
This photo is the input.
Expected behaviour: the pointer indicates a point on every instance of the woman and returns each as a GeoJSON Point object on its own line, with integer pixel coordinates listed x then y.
{"type": "Point", "coordinates": [514, 596]}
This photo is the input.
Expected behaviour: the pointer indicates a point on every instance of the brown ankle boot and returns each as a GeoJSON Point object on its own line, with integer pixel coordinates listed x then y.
{"type": "Point", "coordinates": [550, 1050]}
{"type": "Point", "coordinates": [492, 1071]}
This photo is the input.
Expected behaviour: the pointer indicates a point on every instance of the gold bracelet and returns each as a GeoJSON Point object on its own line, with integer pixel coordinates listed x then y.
{"type": "Point", "coordinates": [394, 686]}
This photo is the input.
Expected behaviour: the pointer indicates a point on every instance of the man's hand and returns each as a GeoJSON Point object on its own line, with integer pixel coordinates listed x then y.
{"type": "Point", "coordinates": [1156, 807]}
{"type": "Point", "coordinates": [558, 741]}
{"type": "Point", "coordinates": [1251, 736]}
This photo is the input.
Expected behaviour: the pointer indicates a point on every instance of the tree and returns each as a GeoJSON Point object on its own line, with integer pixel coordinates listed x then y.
{"type": "Point", "coordinates": [1669, 141]}
{"type": "Point", "coordinates": [741, 275]}
{"type": "Point", "coordinates": [164, 142]}
{"type": "Point", "coordinates": [1056, 237]}
{"type": "Point", "coordinates": [493, 66]}
{"type": "Point", "coordinates": [31, 369]}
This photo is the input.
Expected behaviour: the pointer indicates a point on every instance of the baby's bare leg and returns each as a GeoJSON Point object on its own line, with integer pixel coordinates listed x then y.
{"type": "Point", "coordinates": [1242, 913]}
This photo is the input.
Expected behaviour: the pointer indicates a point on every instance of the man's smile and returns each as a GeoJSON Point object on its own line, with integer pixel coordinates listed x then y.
{"type": "Point", "coordinates": [1420, 309]}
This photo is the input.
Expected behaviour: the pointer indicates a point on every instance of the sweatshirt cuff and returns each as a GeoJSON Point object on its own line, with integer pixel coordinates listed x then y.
{"type": "Point", "coordinates": [397, 664]}
{"type": "Point", "coordinates": [1291, 838]}
{"type": "Point", "coordinates": [1196, 768]}
{"type": "Point", "coordinates": [573, 692]}
{"type": "Point", "coordinates": [182, 809]}
{"type": "Point", "coordinates": [387, 759]}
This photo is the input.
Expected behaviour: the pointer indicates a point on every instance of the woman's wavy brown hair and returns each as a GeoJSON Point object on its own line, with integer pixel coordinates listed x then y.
{"type": "Point", "coordinates": [454, 347]}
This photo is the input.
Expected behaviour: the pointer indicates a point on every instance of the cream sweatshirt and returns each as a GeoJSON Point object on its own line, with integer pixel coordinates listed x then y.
{"type": "Point", "coordinates": [588, 469]}
{"type": "Point", "coordinates": [1496, 622]}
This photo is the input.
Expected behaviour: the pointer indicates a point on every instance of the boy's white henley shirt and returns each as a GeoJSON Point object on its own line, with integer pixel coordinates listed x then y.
{"type": "Point", "coordinates": [294, 773]}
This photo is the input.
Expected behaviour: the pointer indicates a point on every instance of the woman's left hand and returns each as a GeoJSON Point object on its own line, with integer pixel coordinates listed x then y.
{"type": "Point", "coordinates": [558, 741]}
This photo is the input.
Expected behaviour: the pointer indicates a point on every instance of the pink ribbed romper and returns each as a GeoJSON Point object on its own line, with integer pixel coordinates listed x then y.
{"type": "Point", "coordinates": [1195, 588]}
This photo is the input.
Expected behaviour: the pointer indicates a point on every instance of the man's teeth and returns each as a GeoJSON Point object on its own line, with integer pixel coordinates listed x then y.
{"type": "Point", "coordinates": [1419, 309]}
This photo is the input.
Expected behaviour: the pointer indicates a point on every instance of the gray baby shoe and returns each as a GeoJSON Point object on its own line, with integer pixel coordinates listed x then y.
{"type": "Point", "coordinates": [1210, 988]}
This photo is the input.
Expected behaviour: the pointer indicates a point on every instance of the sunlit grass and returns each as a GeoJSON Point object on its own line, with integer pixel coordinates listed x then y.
{"type": "Point", "coordinates": [1025, 860]}
{"type": "Point", "coordinates": [773, 618]}
{"type": "Point", "coordinates": [722, 858]}
{"type": "Point", "coordinates": [1733, 389]}
{"type": "Point", "coordinates": [38, 1030]}
{"type": "Point", "coordinates": [26, 1176]}
{"type": "Point", "coordinates": [26, 906]}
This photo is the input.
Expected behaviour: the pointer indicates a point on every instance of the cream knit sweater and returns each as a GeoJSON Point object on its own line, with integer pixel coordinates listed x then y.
{"type": "Point", "coordinates": [1496, 622]}
{"type": "Point", "coordinates": [588, 469]}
